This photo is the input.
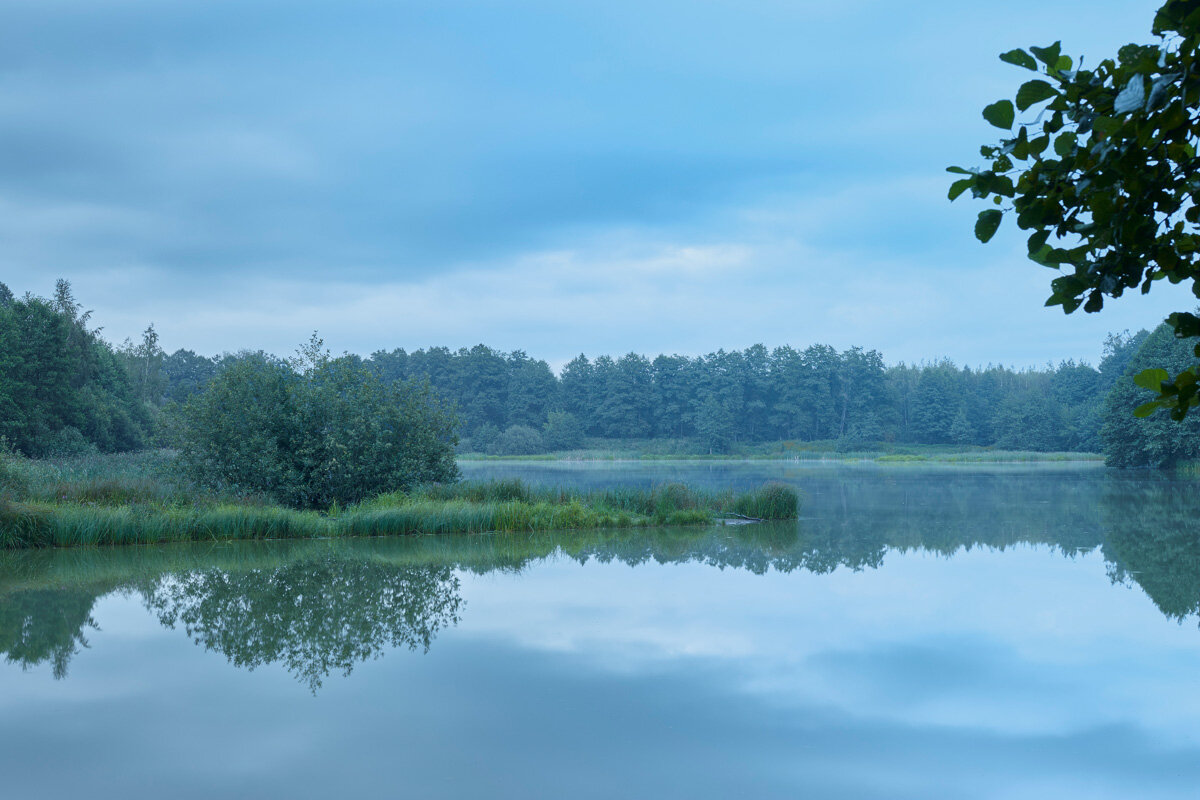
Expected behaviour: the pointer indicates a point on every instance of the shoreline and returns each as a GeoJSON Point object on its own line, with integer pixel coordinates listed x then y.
{"type": "Point", "coordinates": [468, 507]}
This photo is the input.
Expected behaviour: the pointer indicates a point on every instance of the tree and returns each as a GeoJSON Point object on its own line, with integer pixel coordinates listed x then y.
{"type": "Point", "coordinates": [63, 391]}
{"type": "Point", "coordinates": [531, 389]}
{"type": "Point", "coordinates": [1028, 420]}
{"type": "Point", "coordinates": [1104, 176]}
{"type": "Point", "coordinates": [625, 404]}
{"type": "Point", "coordinates": [961, 431]}
{"type": "Point", "coordinates": [577, 389]}
{"type": "Point", "coordinates": [936, 402]}
{"type": "Point", "coordinates": [562, 431]}
{"type": "Point", "coordinates": [315, 431]}
{"type": "Point", "coordinates": [672, 381]}
{"type": "Point", "coordinates": [185, 373]}
{"type": "Point", "coordinates": [1148, 442]}
{"type": "Point", "coordinates": [144, 362]}
{"type": "Point", "coordinates": [714, 424]}
{"type": "Point", "coordinates": [482, 387]}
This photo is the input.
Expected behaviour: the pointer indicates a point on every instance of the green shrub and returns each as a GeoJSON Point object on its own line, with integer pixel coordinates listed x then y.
{"type": "Point", "coordinates": [518, 440]}
{"type": "Point", "coordinates": [65, 442]}
{"type": "Point", "coordinates": [314, 432]}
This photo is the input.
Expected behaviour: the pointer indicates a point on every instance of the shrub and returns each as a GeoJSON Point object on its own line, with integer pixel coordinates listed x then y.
{"type": "Point", "coordinates": [66, 442]}
{"type": "Point", "coordinates": [314, 432]}
{"type": "Point", "coordinates": [518, 440]}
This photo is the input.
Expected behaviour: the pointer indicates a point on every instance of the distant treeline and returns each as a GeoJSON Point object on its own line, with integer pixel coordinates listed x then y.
{"type": "Point", "coordinates": [511, 404]}
{"type": "Point", "coordinates": [731, 398]}
{"type": "Point", "coordinates": [63, 389]}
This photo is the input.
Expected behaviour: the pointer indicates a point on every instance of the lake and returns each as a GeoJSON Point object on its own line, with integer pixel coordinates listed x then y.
{"type": "Point", "coordinates": [923, 631]}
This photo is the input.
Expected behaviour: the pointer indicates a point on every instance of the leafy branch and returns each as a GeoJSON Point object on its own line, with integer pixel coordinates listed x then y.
{"type": "Point", "coordinates": [1105, 177]}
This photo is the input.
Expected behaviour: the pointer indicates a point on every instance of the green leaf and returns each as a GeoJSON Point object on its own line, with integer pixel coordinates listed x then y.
{"type": "Point", "coordinates": [1034, 92]}
{"type": "Point", "coordinates": [958, 187]}
{"type": "Point", "coordinates": [1186, 325]}
{"type": "Point", "coordinates": [1145, 410]}
{"type": "Point", "coordinates": [1020, 58]}
{"type": "Point", "coordinates": [1048, 55]}
{"type": "Point", "coordinates": [1106, 125]}
{"type": "Point", "coordinates": [1000, 114]}
{"type": "Point", "coordinates": [986, 225]}
{"type": "Point", "coordinates": [1037, 241]}
{"type": "Point", "coordinates": [959, 171]}
{"type": "Point", "coordinates": [1151, 379]}
{"type": "Point", "coordinates": [1064, 145]}
{"type": "Point", "coordinates": [1042, 256]}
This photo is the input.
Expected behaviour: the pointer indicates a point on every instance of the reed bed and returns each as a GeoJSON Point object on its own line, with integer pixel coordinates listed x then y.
{"type": "Point", "coordinates": [48, 505]}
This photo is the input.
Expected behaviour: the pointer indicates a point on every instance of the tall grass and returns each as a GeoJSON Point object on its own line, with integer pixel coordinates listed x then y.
{"type": "Point", "coordinates": [139, 502]}
{"type": "Point", "coordinates": [772, 500]}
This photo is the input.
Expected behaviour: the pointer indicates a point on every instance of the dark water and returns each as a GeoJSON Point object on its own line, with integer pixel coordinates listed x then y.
{"type": "Point", "coordinates": [991, 632]}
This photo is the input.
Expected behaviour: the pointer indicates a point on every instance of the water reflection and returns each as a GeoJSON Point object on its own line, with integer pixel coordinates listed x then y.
{"type": "Point", "coordinates": [1152, 539]}
{"type": "Point", "coordinates": [319, 608]}
{"type": "Point", "coordinates": [45, 626]}
{"type": "Point", "coordinates": [315, 616]}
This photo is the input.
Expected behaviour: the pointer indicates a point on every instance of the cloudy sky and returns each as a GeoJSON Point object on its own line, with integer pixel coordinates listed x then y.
{"type": "Point", "coordinates": [657, 176]}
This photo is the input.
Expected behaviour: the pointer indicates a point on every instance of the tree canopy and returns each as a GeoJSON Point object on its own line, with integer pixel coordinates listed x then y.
{"type": "Point", "coordinates": [1104, 176]}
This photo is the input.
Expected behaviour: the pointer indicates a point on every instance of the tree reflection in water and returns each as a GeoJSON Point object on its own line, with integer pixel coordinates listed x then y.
{"type": "Point", "coordinates": [314, 617]}
{"type": "Point", "coordinates": [45, 625]}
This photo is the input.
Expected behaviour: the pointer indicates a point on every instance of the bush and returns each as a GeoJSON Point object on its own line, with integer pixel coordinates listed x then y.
{"type": "Point", "coordinates": [314, 432]}
{"type": "Point", "coordinates": [518, 440]}
{"type": "Point", "coordinates": [66, 442]}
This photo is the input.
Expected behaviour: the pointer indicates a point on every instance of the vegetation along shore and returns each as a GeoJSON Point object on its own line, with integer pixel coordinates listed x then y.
{"type": "Point", "coordinates": [140, 499]}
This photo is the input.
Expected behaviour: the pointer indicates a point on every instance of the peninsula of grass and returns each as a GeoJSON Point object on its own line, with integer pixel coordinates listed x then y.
{"type": "Point", "coordinates": [135, 501]}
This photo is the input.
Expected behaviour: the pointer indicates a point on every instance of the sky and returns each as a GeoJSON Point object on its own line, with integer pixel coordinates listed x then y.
{"type": "Point", "coordinates": [656, 176]}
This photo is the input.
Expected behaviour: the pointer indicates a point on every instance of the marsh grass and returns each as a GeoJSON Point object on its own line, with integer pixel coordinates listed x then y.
{"type": "Point", "coordinates": [773, 501]}
{"type": "Point", "coordinates": [140, 501]}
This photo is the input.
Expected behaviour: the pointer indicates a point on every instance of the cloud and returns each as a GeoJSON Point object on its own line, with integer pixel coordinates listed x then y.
{"type": "Point", "coordinates": [452, 173]}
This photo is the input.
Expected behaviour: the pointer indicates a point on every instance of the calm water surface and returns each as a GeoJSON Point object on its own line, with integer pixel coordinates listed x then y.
{"type": "Point", "coordinates": [921, 632]}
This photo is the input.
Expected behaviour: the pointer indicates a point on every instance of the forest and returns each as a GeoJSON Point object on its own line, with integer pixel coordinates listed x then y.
{"type": "Point", "coordinates": [65, 390]}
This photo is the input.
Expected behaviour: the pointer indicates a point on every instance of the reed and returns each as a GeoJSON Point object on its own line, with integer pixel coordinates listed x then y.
{"type": "Point", "coordinates": [774, 501]}
{"type": "Point", "coordinates": [41, 508]}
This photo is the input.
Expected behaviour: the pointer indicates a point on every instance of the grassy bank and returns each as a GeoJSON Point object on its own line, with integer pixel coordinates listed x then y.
{"type": "Point", "coordinates": [136, 499]}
